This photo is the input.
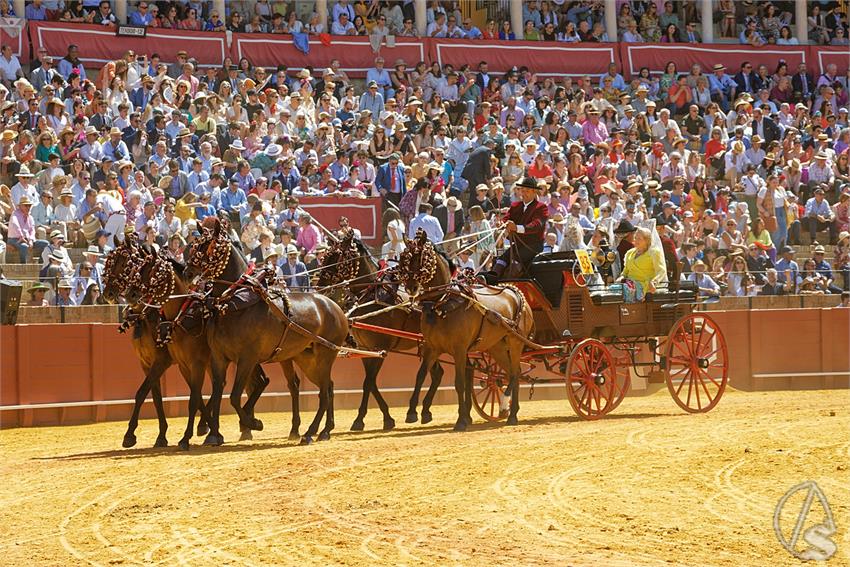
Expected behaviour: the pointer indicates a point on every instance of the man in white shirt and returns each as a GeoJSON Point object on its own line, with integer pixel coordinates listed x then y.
{"type": "Point", "coordinates": [10, 67]}
{"type": "Point", "coordinates": [438, 27]}
{"type": "Point", "coordinates": [426, 222]}
{"type": "Point", "coordinates": [459, 149]}
{"type": "Point", "coordinates": [343, 26]}
{"type": "Point", "coordinates": [664, 124]}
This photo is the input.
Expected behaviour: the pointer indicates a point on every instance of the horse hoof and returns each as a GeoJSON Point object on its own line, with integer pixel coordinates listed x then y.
{"type": "Point", "coordinates": [183, 444]}
{"type": "Point", "coordinates": [389, 424]}
{"type": "Point", "coordinates": [246, 435]}
{"type": "Point", "coordinates": [129, 441]}
{"type": "Point", "coordinates": [161, 442]}
{"type": "Point", "coordinates": [306, 440]}
{"type": "Point", "coordinates": [294, 435]}
{"type": "Point", "coordinates": [427, 417]}
{"type": "Point", "coordinates": [512, 420]}
{"type": "Point", "coordinates": [357, 425]}
{"type": "Point", "coordinates": [203, 429]}
{"type": "Point", "coordinates": [460, 425]}
{"type": "Point", "coordinates": [256, 425]}
{"type": "Point", "coordinates": [214, 440]}
{"type": "Point", "coordinates": [324, 436]}
{"type": "Point", "coordinates": [411, 417]}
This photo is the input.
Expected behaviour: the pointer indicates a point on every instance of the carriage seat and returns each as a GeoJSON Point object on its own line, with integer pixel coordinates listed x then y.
{"type": "Point", "coordinates": [548, 271]}
{"type": "Point", "coordinates": [687, 293]}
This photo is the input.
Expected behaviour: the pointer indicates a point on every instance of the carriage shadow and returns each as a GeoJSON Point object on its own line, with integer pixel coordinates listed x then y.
{"type": "Point", "coordinates": [282, 442]}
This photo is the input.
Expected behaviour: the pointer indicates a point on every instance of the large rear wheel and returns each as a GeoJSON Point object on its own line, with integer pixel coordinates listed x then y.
{"type": "Point", "coordinates": [696, 363]}
{"type": "Point", "coordinates": [593, 385]}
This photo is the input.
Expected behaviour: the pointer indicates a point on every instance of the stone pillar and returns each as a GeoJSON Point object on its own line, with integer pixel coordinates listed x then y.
{"type": "Point", "coordinates": [801, 25]}
{"type": "Point", "coordinates": [322, 10]}
{"type": "Point", "coordinates": [20, 7]}
{"type": "Point", "coordinates": [516, 18]}
{"type": "Point", "coordinates": [707, 17]}
{"type": "Point", "coordinates": [220, 9]}
{"type": "Point", "coordinates": [420, 18]}
{"type": "Point", "coordinates": [611, 20]}
{"type": "Point", "coordinates": [120, 11]}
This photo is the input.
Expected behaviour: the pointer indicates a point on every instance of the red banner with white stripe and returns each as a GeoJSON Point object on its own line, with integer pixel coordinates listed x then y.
{"type": "Point", "coordinates": [98, 44]}
{"type": "Point", "coordinates": [355, 53]}
{"type": "Point", "coordinates": [363, 214]}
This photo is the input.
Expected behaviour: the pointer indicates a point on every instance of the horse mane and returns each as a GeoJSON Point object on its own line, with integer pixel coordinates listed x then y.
{"type": "Point", "coordinates": [364, 251]}
{"type": "Point", "coordinates": [442, 253]}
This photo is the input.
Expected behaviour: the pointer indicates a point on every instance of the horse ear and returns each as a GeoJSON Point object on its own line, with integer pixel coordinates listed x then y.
{"type": "Point", "coordinates": [216, 228]}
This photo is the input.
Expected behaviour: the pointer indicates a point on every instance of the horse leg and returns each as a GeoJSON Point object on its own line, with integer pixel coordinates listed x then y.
{"type": "Point", "coordinates": [203, 428]}
{"type": "Point", "coordinates": [259, 382]}
{"type": "Point", "coordinates": [507, 356]}
{"type": "Point", "coordinates": [329, 413]}
{"type": "Point", "coordinates": [293, 382]}
{"type": "Point", "coordinates": [460, 389]}
{"type": "Point", "coordinates": [371, 369]}
{"type": "Point", "coordinates": [156, 395]}
{"type": "Point", "coordinates": [152, 375]}
{"type": "Point", "coordinates": [195, 380]}
{"type": "Point", "coordinates": [436, 379]}
{"type": "Point", "coordinates": [243, 372]}
{"type": "Point", "coordinates": [314, 425]}
{"type": "Point", "coordinates": [218, 372]}
{"type": "Point", "coordinates": [412, 416]}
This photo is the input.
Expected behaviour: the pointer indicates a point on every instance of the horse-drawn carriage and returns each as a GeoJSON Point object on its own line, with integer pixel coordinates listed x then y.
{"type": "Point", "coordinates": [591, 339]}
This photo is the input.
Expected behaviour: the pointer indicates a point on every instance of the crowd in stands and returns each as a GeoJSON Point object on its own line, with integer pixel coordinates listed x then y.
{"type": "Point", "coordinates": [750, 22]}
{"type": "Point", "coordinates": [734, 166]}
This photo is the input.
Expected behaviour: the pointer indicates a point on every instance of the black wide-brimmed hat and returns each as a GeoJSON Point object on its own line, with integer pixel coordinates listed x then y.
{"type": "Point", "coordinates": [527, 182]}
{"type": "Point", "coordinates": [624, 227]}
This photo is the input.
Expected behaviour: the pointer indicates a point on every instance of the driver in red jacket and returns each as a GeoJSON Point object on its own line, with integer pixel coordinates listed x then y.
{"type": "Point", "coordinates": [525, 223]}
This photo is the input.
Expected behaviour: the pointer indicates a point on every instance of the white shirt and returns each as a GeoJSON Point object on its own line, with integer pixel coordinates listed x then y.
{"type": "Point", "coordinates": [10, 68]}
{"type": "Point", "coordinates": [429, 224]}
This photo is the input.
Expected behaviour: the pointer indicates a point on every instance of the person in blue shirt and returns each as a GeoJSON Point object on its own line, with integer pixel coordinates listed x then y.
{"type": "Point", "coordinates": [35, 11]}
{"type": "Point", "coordinates": [380, 77]}
{"type": "Point", "coordinates": [825, 269]}
{"type": "Point", "coordinates": [470, 31]}
{"type": "Point", "coordinates": [390, 180]}
{"type": "Point", "coordinates": [787, 269]}
{"type": "Point", "coordinates": [722, 86]}
{"type": "Point", "coordinates": [372, 100]}
{"type": "Point", "coordinates": [339, 168]}
{"type": "Point", "coordinates": [618, 82]}
{"type": "Point", "coordinates": [141, 16]}
{"type": "Point", "coordinates": [820, 216]}
{"type": "Point", "coordinates": [426, 222]}
{"type": "Point", "coordinates": [234, 200]}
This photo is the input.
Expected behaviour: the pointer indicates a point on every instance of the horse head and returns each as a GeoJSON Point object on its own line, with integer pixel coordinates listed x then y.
{"type": "Point", "coordinates": [153, 280]}
{"type": "Point", "coordinates": [119, 267]}
{"type": "Point", "coordinates": [340, 263]}
{"type": "Point", "coordinates": [417, 264]}
{"type": "Point", "coordinates": [209, 253]}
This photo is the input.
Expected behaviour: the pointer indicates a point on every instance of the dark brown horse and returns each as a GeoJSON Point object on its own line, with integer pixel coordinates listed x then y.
{"type": "Point", "coordinates": [349, 262]}
{"type": "Point", "coordinates": [120, 265]}
{"type": "Point", "coordinates": [459, 319]}
{"type": "Point", "coordinates": [301, 328]}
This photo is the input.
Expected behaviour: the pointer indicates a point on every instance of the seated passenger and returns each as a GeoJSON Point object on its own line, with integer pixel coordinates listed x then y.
{"type": "Point", "coordinates": [573, 236]}
{"type": "Point", "coordinates": [643, 269]}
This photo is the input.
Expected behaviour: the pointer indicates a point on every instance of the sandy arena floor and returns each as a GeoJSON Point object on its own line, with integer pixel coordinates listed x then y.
{"type": "Point", "coordinates": [648, 485]}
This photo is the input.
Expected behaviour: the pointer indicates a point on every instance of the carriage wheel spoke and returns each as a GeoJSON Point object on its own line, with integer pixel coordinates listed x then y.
{"type": "Point", "coordinates": [705, 389]}
{"type": "Point", "coordinates": [690, 387]}
{"type": "Point", "coordinates": [710, 377]}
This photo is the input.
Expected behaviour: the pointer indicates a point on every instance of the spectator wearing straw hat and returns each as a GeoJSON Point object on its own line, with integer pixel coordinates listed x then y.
{"type": "Point", "coordinates": [824, 268]}
{"type": "Point", "coordinates": [294, 271]}
{"type": "Point", "coordinates": [37, 293]}
{"type": "Point", "coordinates": [57, 247]}
{"type": "Point", "coordinates": [63, 294]}
{"type": "Point", "coordinates": [24, 186]}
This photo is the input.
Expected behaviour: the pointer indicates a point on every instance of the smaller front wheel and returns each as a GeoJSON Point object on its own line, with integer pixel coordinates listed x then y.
{"type": "Point", "coordinates": [488, 388]}
{"type": "Point", "coordinates": [593, 386]}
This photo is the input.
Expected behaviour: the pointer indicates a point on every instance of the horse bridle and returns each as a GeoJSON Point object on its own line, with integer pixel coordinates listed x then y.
{"type": "Point", "coordinates": [211, 258]}
{"type": "Point", "coordinates": [422, 247]}
{"type": "Point", "coordinates": [341, 261]}
{"type": "Point", "coordinates": [159, 284]}
{"type": "Point", "coordinates": [123, 279]}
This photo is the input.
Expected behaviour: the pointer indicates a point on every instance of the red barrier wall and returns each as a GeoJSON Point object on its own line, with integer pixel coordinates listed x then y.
{"type": "Point", "coordinates": [98, 45]}
{"type": "Point", "coordinates": [768, 350]}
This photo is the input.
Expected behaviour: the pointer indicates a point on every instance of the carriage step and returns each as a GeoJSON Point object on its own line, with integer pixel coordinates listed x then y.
{"type": "Point", "coordinates": [656, 377]}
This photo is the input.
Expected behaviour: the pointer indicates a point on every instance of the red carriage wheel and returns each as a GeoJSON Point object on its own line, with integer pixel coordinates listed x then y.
{"type": "Point", "coordinates": [488, 387]}
{"type": "Point", "coordinates": [592, 382]}
{"type": "Point", "coordinates": [696, 363]}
